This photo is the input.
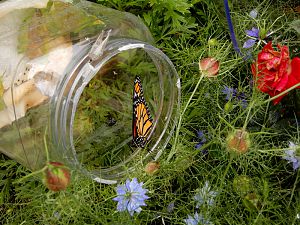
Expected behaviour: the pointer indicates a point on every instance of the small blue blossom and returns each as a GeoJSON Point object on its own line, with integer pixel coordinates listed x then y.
{"type": "Point", "coordinates": [228, 91]}
{"type": "Point", "coordinates": [131, 196]}
{"type": "Point", "coordinates": [207, 95]}
{"type": "Point", "coordinates": [248, 55]}
{"type": "Point", "coordinates": [233, 93]}
{"type": "Point", "coordinates": [205, 195]}
{"type": "Point", "coordinates": [240, 96]}
{"type": "Point", "coordinates": [254, 36]}
{"type": "Point", "coordinates": [254, 32]}
{"type": "Point", "coordinates": [201, 137]}
{"type": "Point", "coordinates": [56, 215]}
{"type": "Point", "coordinates": [196, 220]}
{"type": "Point", "coordinates": [291, 156]}
{"type": "Point", "coordinates": [253, 13]}
{"type": "Point", "coordinates": [170, 207]}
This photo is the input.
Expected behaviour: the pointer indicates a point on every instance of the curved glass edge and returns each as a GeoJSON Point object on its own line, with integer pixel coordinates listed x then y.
{"type": "Point", "coordinates": [62, 128]}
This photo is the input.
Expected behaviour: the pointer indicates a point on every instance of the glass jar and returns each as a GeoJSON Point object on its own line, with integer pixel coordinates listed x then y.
{"type": "Point", "coordinates": [68, 70]}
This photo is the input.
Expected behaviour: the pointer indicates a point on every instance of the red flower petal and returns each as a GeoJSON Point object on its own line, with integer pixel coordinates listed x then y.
{"type": "Point", "coordinates": [273, 71]}
{"type": "Point", "coordinates": [282, 82]}
{"type": "Point", "coordinates": [265, 56]}
{"type": "Point", "coordinates": [294, 76]}
{"type": "Point", "coordinates": [268, 47]}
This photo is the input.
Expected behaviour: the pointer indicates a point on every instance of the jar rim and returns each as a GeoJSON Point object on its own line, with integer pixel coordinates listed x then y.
{"type": "Point", "coordinates": [64, 109]}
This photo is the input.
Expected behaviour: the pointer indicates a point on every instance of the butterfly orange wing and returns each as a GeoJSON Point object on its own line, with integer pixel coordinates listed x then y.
{"type": "Point", "coordinates": [142, 122]}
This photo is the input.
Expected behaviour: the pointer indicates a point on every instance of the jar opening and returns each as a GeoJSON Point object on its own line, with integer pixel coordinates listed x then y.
{"type": "Point", "coordinates": [99, 109]}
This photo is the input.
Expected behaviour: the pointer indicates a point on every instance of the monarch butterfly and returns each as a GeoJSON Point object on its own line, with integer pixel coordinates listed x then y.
{"type": "Point", "coordinates": [142, 122]}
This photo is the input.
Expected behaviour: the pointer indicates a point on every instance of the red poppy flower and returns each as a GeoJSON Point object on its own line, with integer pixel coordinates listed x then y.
{"type": "Point", "coordinates": [274, 72]}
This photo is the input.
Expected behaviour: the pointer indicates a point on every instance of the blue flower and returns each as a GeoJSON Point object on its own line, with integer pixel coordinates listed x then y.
{"type": "Point", "coordinates": [229, 92]}
{"type": "Point", "coordinates": [253, 13]}
{"type": "Point", "coordinates": [240, 96]}
{"type": "Point", "coordinates": [254, 36]}
{"type": "Point", "coordinates": [131, 196]}
{"type": "Point", "coordinates": [205, 195]}
{"type": "Point", "coordinates": [291, 156]}
{"type": "Point", "coordinates": [202, 139]}
{"type": "Point", "coordinates": [196, 220]}
{"type": "Point", "coordinates": [233, 93]}
{"type": "Point", "coordinates": [170, 207]}
{"type": "Point", "coordinates": [56, 215]}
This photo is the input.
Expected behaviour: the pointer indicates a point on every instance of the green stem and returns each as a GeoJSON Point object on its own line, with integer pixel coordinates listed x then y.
{"type": "Point", "coordinates": [173, 150]}
{"type": "Point", "coordinates": [294, 187]}
{"type": "Point", "coordinates": [247, 117]}
{"type": "Point", "coordinates": [282, 93]}
{"type": "Point", "coordinates": [226, 171]}
{"type": "Point", "coordinates": [44, 168]}
{"type": "Point", "coordinates": [31, 174]}
{"type": "Point", "coordinates": [259, 215]}
{"type": "Point", "coordinates": [45, 145]}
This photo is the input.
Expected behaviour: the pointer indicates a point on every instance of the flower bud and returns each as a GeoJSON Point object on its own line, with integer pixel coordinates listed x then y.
{"type": "Point", "coordinates": [242, 185]}
{"type": "Point", "coordinates": [238, 141]}
{"type": "Point", "coordinates": [152, 167]}
{"type": "Point", "coordinates": [252, 202]}
{"type": "Point", "coordinates": [262, 33]}
{"type": "Point", "coordinates": [209, 66]}
{"type": "Point", "coordinates": [228, 107]}
{"type": "Point", "coordinates": [212, 42]}
{"type": "Point", "coordinates": [57, 176]}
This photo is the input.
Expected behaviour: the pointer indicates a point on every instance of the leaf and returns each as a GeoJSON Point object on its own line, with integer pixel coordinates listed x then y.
{"type": "Point", "coordinates": [147, 18]}
{"type": "Point", "coordinates": [196, 1]}
{"type": "Point", "coordinates": [296, 25]}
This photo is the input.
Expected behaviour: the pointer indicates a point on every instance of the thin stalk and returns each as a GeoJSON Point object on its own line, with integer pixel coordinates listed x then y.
{"type": "Point", "coordinates": [31, 174]}
{"type": "Point", "coordinates": [294, 187]}
{"type": "Point", "coordinates": [225, 173]}
{"type": "Point", "coordinates": [282, 93]}
{"type": "Point", "coordinates": [173, 150]}
{"type": "Point", "coordinates": [45, 145]}
{"type": "Point", "coordinates": [44, 168]}
{"type": "Point", "coordinates": [248, 116]}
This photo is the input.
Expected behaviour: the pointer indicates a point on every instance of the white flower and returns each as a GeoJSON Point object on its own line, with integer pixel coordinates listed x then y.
{"type": "Point", "coordinates": [197, 219]}
{"type": "Point", "coordinates": [205, 195]}
{"type": "Point", "coordinates": [131, 196]}
{"type": "Point", "coordinates": [253, 13]}
{"type": "Point", "coordinates": [291, 156]}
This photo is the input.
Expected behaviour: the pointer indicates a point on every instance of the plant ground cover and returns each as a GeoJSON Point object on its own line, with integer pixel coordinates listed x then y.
{"type": "Point", "coordinates": [204, 174]}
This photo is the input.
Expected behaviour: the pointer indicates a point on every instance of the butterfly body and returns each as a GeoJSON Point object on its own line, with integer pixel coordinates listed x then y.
{"type": "Point", "coordinates": [142, 122]}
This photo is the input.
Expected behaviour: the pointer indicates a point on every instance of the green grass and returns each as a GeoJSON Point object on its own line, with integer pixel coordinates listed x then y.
{"type": "Point", "coordinates": [182, 30]}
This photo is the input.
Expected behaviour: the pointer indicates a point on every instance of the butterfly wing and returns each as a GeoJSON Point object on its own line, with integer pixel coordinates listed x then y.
{"type": "Point", "coordinates": [142, 122]}
{"type": "Point", "coordinates": [137, 90]}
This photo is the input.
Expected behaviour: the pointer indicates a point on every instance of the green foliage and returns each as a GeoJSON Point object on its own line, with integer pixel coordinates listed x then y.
{"type": "Point", "coordinates": [296, 25]}
{"type": "Point", "coordinates": [257, 187]}
{"type": "Point", "coordinates": [165, 18]}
